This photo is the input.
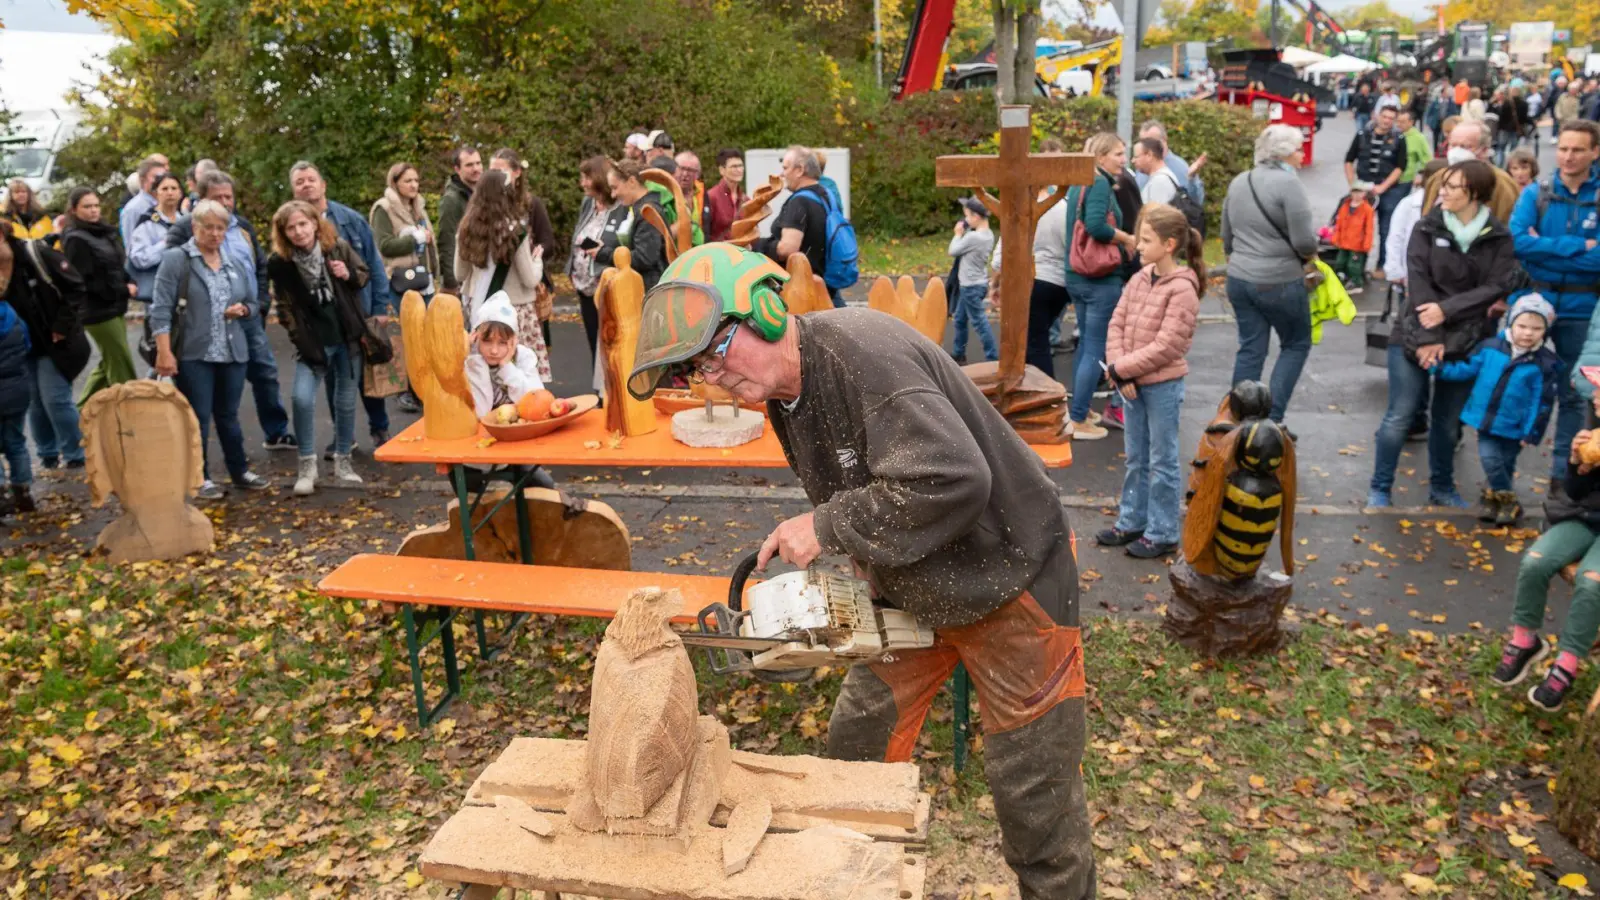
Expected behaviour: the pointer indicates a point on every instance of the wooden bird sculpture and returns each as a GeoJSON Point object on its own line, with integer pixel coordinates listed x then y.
{"type": "Point", "coordinates": [620, 297]}
{"type": "Point", "coordinates": [746, 229]}
{"type": "Point", "coordinates": [435, 338]}
{"type": "Point", "coordinates": [1242, 490]}
{"type": "Point", "coordinates": [643, 708]}
{"type": "Point", "coordinates": [142, 442]}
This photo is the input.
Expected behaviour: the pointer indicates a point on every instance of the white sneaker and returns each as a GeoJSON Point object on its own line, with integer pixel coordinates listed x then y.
{"type": "Point", "coordinates": [1083, 431]}
{"type": "Point", "coordinates": [306, 484]}
{"type": "Point", "coordinates": [343, 473]}
{"type": "Point", "coordinates": [209, 491]}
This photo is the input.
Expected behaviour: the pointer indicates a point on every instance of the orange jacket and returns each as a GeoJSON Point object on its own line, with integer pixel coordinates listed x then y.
{"type": "Point", "coordinates": [1352, 228]}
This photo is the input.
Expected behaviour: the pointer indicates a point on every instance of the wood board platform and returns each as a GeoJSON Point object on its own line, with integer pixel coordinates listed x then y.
{"type": "Point", "coordinates": [839, 830]}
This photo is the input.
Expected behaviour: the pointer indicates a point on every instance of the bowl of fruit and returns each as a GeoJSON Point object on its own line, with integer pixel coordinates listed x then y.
{"type": "Point", "coordinates": [537, 413]}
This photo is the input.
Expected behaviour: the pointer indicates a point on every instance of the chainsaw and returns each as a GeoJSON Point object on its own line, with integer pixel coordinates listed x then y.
{"type": "Point", "coordinates": [788, 625]}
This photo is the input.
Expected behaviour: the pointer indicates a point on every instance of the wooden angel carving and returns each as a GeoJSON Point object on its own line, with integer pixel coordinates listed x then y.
{"type": "Point", "coordinates": [1242, 489]}
{"type": "Point", "coordinates": [620, 297]}
{"type": "Point", "coordinates": [142, 442]}
{"type": "Point", "coordinates": [927, 313]}
{"type": "Point", "coordinates": [436, 341]}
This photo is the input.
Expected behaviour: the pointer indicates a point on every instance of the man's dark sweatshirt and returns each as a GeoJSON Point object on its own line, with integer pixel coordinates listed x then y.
{"type": "Point", "coordinates": [916, 477]}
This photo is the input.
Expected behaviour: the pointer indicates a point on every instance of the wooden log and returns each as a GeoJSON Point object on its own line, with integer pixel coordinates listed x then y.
{"type": "Point", "coordinates": [567, 531]}
{"type": "Point", "coordinates": [476, 847]}
{"type": "Point", "coordinates": [620, 296]}
{"type": "Point", "coordinates": [1578, 784]}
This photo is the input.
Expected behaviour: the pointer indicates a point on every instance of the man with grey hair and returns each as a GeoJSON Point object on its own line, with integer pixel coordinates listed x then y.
{"type": "Point", "coordinates": [243, 249]}
{"type": "Point", "coordinates": [1183, 173]}
{"type": "Point", "coordinates": [802, 224]}
{"type": "Point", "coordinates": [1474, 140]}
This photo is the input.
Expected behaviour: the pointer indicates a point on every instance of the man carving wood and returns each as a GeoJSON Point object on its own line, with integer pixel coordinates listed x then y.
{"type": "Point", "coordinates": [917, 478]}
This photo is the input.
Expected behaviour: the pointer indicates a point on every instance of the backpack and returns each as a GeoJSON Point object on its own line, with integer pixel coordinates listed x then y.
{"type": "Point", "coordinates": [70, 354]}
{"type": "Point", "coordinates": [840, 253]}
{"type": "Point", "coordinates": [1185, 204]}
{"type": "Point", "coordinates": [1547, 195]}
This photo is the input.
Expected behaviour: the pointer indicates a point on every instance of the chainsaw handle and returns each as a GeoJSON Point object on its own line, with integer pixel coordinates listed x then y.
{"type": "Point", "coordinates": [719, 619]}
{"type": "Point", "coordinates": [741, 576]}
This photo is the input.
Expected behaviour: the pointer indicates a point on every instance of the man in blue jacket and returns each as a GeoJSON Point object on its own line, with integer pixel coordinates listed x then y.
{"type": "Point", "coordinates": [1556, 230]}
{"type": "Point", "coordinates": [244, 249]}
{"type": "Point", "coordinates": [376, 300]}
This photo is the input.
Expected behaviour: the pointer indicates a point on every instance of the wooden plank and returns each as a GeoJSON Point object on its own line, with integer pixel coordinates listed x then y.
{"type": "Point", "coordinates": [882, 800]}
{"type": "Point", "coordinates": [476, 847]}
{"type": "Point", "coordinates": [913, 877]}
{"type": "Point", "coordinates": [1041, 169]}
{"type": "Point", "coordinates": [567, 448]}
{"type": "Point", "coordinates": [508, 587]}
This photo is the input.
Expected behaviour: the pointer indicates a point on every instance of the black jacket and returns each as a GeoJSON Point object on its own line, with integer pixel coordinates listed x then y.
{"type": "Point", "coordinates": [1513, 115]}
{"type": "Point", "coordinates": [1580, 500]}
{"type": "Point", "coordinates": [648, 248]}
{"type": "Point", "coordinates": [294, 301]}
{"type": "Point", "coordinates": [49, 306]}
{"type": "Point", "coordinates": [93, 250]}
{"type": "Point", "coordinates": [1464, 285]}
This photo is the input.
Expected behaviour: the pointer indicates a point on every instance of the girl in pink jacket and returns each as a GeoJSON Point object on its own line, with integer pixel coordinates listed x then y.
{"type": "Point", "coordinates": [1149, 336]}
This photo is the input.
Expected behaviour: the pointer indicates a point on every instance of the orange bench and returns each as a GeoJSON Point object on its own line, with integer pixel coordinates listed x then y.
{"type": "Point", "coordinates": [442, 587]}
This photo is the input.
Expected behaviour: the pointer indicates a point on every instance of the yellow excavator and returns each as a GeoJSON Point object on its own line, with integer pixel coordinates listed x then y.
{"type": "Point", "coordinates": [1095, 59]}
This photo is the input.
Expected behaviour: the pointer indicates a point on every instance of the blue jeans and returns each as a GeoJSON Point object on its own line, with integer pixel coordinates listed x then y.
{"type": "Point", "coordinates": [1260, 310]}
{"type": "Point", "coordinates": [342, 374]}
{"type": "Point", "coordinates": [1361, 122]}
{"type": "Point", "coordinates": [1499, 458]}
{"type": "Point", "coordinates": [1409, 386]}
{"type": "Point", "coordinates": [836, 297]}
{"type": "Point", "coordinates": [376, 407]}
{"type": "Point", "coordinates": [15, 447]}
{"type": "Point", "coordinates": [52, 416]}
{"type": "Point", "coordinates": [1150, 441]}
{"type": "Point", "coordinates": [1094, 304]}
{"type": "Point", "coordinates": [969, 308]}
{"type": "Point", "coordinates": [262, 371]}
{"type": "Point", "coordinates": [213, 390]}
{"type": "Point", "coordinates": [1386, 207]}
{"type": "Point", "coordinates": [1567, 334]}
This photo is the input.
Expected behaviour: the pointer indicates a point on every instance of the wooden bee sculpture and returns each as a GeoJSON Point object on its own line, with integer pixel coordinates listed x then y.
{"type": "Point", "coordinates": [1242, 491]}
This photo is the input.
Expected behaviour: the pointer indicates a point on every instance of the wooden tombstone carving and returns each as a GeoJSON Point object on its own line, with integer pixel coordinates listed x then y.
{"type": "Point", "coordinates": [804, 292]}
{"type": "Point", "coordinates": [142, 442]}
{"type": "Point", "coordinates": [643, 727]}
{"type": "Point", "coordinates": [620, 297]}
{"type": "Point", "coordinates": [435, 339]}
{"type": "Point", "coordinates": [747, 228]}
{"type": "Point", "coordinates": [927, 313]}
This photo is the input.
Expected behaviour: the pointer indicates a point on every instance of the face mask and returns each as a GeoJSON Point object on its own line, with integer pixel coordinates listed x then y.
{"type": "Point", "coordinates": [1459, 155]}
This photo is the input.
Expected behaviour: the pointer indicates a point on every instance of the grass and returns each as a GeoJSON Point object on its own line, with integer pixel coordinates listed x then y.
{"type": "Point", "coordinates": [218, 730]}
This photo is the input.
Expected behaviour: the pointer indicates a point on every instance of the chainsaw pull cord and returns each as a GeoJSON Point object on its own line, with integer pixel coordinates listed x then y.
{"type": "Point", "coordinates": [741, 575]}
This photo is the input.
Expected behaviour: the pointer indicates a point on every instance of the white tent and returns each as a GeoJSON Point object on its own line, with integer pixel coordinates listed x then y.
{"type": "Point", "coordinates": [1342, 64]}
{"type": "Point", "coordinates": [1300, 57]}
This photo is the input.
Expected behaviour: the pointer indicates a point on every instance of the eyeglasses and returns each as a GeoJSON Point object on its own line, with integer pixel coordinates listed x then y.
{"type": "Point", "coordinates": [714, 359]}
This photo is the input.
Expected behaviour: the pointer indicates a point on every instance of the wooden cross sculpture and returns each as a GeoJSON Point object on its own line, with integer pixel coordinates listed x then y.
{"type": "Point", "coordinates": [1033, 403]}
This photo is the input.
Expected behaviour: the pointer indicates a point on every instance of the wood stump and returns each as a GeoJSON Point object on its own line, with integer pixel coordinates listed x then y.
{"type": "Point", "coordinates": [1217, 618]}
{"type": "Point", "coordinates": [1578, 785]}
{"type": "Point", "coordinates": [1036, 407]}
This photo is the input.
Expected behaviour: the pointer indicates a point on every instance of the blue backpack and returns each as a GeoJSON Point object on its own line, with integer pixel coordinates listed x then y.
{"type": "Point", "coordinates": [841, 268]}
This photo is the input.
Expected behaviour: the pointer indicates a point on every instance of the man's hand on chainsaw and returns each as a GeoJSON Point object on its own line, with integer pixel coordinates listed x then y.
{"type": "Point", "coordinates": [795, 540]}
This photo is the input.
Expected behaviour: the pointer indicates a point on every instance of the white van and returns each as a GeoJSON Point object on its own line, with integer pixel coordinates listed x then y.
{"type": "Point", "coordinates": [29, 151]}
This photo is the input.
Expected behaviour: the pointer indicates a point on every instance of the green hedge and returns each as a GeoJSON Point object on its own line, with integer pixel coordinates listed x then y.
{"type": "Point", "coordinates": [893, 151]}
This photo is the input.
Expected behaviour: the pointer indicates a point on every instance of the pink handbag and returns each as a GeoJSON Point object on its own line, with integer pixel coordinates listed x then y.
{"type": "Point", "coordinates": [1089, 257]}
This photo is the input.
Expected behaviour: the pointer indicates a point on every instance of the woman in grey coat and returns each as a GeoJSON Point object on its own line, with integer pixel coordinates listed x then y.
{"type": "Point", "coordinates": [208, 355]}
{"type": "Point", "coordinates": [1268, 236]}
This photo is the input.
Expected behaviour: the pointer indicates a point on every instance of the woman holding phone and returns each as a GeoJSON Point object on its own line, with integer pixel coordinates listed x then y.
{"type": "Point", "coordinates": [585, 241]}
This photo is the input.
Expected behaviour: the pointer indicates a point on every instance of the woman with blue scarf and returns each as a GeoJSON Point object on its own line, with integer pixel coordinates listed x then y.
{"type": "Point", "coordinates": [1459, 264]}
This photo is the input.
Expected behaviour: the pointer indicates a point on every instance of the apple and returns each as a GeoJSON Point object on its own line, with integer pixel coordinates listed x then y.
{"type": "Point", "coordinates": [560, 407]}
{"type": "Point", "coordinates": [505, 415]}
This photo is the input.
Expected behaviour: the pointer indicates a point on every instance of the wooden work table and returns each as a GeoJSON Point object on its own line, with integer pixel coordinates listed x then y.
{"type": "Point", "coordinates": [586, 443]}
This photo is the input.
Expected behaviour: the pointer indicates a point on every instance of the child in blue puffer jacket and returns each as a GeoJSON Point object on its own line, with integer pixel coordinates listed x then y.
{"type": "Point", "coordinates": [14, 397]}
{"type": "Point", "coordinates": [1516, 376]}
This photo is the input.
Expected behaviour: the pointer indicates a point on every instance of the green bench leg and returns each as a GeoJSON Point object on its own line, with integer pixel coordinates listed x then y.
{"type": "Point", "coordinates": [488, 649]}
{"type": "Point", "coordinates": [442, 630]}
{"type": "Point", "coordinates": [962, 725]}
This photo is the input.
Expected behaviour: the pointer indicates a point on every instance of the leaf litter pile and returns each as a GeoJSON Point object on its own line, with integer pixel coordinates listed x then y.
{"type": "Point", "coordinates": [216, 728]}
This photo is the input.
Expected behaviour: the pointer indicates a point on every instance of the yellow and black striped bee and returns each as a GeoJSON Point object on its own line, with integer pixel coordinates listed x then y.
{"type": "Point", "coordinates": [1241, 493]}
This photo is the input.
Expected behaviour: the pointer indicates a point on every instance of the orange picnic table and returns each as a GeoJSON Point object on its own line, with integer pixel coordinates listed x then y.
{"type": "Point", "coordinates": [587, 443]}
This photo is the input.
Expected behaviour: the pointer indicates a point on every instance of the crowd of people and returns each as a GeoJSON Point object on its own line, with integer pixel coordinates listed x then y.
{"type": "Point", "coordinates": [178, 256]}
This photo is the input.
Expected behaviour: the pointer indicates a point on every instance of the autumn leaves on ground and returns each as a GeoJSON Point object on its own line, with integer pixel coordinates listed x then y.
{"type": "Point", "coordinates": [217, 728]}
